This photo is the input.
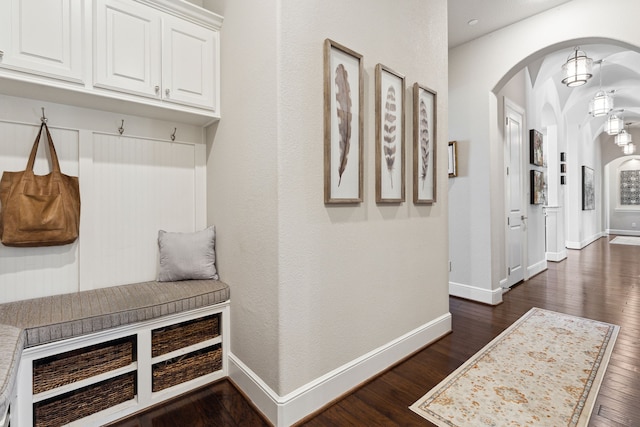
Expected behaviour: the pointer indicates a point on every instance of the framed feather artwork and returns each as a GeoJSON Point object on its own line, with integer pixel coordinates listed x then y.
{"type": "Point", "coordinates": [343, 124]}
{"type": "Point", "coordinates": [424, 144]}
{"type": "Point", "coordinates": [389, 135]}
{"type": "Point", "coordinates": [536, 149]}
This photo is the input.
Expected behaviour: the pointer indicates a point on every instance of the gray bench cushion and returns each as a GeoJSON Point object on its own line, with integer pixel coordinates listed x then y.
{"type": "Point", "coordinates": [11, 344]}
{"type": "Point", "coordinates": [65, 316]}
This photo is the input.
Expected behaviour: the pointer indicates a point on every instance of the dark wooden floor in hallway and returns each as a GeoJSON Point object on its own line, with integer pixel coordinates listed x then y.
{"type": "Point", "coordinates": [600, 282]}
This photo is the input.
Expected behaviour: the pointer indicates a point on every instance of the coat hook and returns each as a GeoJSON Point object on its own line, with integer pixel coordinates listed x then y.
{"type": "Point", "coordinates": [43, 119]}
{"type": "Point", "coordinates": [173, 135]}
{"type": "Point", "coordinates": [121, 128]}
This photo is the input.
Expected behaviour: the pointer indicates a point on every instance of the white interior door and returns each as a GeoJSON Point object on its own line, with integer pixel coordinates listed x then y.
{"type": "Point", "coordinates": [516, 207]}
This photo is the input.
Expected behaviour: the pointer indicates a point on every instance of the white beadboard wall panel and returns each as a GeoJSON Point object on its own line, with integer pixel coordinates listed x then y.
{"type": "Point", "coordinates": [32, 272]}
{"type": "Point", "coordinates": [139, 186]}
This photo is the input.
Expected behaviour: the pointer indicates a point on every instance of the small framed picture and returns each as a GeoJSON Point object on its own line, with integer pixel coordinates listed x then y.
{"type": "Point", "coordinates": [563, 156]}
{"type": "Point", "coordinates": [563, 168]}
{"type": "Point", "coordinates": [343, 124]}
{"type": "Point", "coordinates": [390, 161]}
{"type": "Point", "coordinates": [537, 187]}
{"type": "Point", "coordinates": [536, 153]}
{"type": "Point", "coordinates": [424, 144]}
{"type": "Point", "coordinates": [453, 158]}
{"type": "Point", "coordinates": [563, 180]}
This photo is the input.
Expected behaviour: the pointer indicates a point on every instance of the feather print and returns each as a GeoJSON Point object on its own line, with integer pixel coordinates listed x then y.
{"type": "Point", "coordinates": [343, 110]}
{"type": "Point", "coordinates": [390, 131]}
{"type": "Point", "coordinates": [424, 142]}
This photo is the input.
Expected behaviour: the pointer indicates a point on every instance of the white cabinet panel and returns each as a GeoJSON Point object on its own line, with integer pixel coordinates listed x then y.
{"type": "Point", "coordinates": [128, 47]}
{"type": "Point", "coordinates": [42, 37]}
{"type": "Point", "coordinates": [189, 63]}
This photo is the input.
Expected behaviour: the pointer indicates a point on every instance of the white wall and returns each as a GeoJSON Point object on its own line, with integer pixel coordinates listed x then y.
{"type": "Point", "coordinates": [494, 58]}
{"type": "Point", "coordinates": [316, 287]}
{"type": "Point", "coordinates": [621, 218]}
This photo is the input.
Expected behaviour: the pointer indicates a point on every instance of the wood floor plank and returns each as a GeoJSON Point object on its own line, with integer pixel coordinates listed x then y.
{"type": "Point", "coordinates": [601, 282]}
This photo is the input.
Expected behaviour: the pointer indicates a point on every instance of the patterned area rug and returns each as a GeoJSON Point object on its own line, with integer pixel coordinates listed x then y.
{"type": "Point", "coordinates": [544, 370]}
{"type": "Point", "coordinates": [626, 240]}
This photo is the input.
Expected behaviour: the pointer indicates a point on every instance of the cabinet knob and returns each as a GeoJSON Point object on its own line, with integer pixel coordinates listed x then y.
{"type": "Point", "coordinates": [157, 88]}
{"type": "Point", "coordinates": [167, 92]}
{"type": "Point", "coordinates": [1, 53]}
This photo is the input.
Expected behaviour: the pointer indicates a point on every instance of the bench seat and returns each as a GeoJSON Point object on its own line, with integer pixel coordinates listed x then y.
{"type": "Point", "coordinates": [37, 321]}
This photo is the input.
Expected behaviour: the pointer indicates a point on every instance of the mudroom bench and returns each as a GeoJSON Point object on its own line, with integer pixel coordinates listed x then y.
{"type": "Point", "coordinates": [92, 357]}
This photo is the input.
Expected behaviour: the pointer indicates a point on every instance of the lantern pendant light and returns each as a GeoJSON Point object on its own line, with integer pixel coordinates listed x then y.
{"type": "Point", "coordinates": [577, 70]}
{"type": "Point", "coordinates": [629, 149]}
{"type": "Point", "coordinates": [602, 102]}
{"type": "Point", "coordinates": [623, 138]}
{"type": "Point", "coordinates": [613, 125]}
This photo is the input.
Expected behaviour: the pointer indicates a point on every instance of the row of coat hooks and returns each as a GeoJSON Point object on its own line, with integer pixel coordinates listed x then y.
{"type": "Point", "coordinates": [121, 131]}
{"type": "Point", "coordinates": [44, 119]}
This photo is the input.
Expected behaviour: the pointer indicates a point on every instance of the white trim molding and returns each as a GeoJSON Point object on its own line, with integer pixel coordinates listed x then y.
{"type": "Point", "coordinates": [557, 256]}
{"type": "Point", "coordinates": [492, 297]}
{"type": "Point", "coordinates": [536, 268]}
{"type": "Point", "coordinates": [285, 410]}
{"type": "Point", "coordinates": [586, 242]}
{"type": "Point", "coordinates": [624, 232]}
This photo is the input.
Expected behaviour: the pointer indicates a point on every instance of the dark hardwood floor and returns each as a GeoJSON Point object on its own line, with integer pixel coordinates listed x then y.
{"type": "Point", "coordinates": [600, 282]}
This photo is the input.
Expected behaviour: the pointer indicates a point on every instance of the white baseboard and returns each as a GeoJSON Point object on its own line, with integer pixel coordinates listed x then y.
{"type": "Point", "coordinates": [536, 268]}
{"type": "Point", "coordinates": [556, 256]}
{"type": "Point", "coordinates": [285, 410]}
{"type": "Point", "coordinates": [492, 297]}
{"type": "Point", "coordinates": [586, 242]}
{"type": "Point", "coordinates": [624, 232]}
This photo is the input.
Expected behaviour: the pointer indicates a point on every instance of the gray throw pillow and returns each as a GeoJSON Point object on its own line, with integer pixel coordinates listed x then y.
{"type": "Point", "coordinates": [187, 256]}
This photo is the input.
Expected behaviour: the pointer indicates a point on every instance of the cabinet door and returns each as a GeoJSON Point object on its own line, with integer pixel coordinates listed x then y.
{"type": "Point", "coordinates": [189, 63]}
{"type": "Point", "coordinates": [42, 37]}
{"type": "Point", "coordinates": [127, 47]}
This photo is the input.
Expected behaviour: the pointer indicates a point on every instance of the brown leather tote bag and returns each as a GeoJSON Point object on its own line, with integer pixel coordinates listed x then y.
{"type": "Point", "coordinates": [39, 210]}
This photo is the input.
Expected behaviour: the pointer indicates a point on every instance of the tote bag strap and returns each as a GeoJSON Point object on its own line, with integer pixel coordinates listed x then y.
{"type": "Point", "coordinates": [55, 165]}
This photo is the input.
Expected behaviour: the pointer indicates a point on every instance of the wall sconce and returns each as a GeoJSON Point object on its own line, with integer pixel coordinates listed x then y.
{"type": "Point", "coordinates": [577, 70]}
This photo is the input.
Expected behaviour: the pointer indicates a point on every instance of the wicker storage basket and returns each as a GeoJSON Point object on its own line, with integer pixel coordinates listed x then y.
{"type": "Point", "coordinates": [184, 368]}
{"type": "Point", "coordinates": [67, 368]}
{"type": "Point", "coordinates": [174, 337]}
{"type": "Point", "coordinates": [83, 402]}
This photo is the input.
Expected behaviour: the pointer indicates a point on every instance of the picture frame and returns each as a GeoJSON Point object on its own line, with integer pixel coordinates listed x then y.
{"type": "Point", "coordinates": [588, 189]}
{"type": "Point", "coordinates": [536, 150]}
{"type": "Point", "coordinates": [390, 130]}
{"type": "Point", "coordinates": [453, 159]}
{"type": "Point", "coordinates": [537, 187]}
{"type": "Point", "coordinates": [563, 156]}
{"type": "Point", "coordinates": [563, 168]}
{"type": "Point", "coordinates": [425, 142]}
{"type": "Point", "coordinates": [563, 180]}
{"type": "Point", "coordinates": [343, 124]}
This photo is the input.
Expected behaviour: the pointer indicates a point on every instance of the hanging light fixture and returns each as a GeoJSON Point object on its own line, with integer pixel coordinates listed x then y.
{"type": "Point", "coordinates": [602, 102]}
{"type": "Point", "coordinates": [623, 138]}
{"type": "Point", "coordinates": [629, 149]}
{"type": "Point", "coordinates": [577, 70]}
{"type": "Point", "coordinates": [614, 124]}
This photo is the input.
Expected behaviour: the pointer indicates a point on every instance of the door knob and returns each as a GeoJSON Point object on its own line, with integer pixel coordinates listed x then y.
{"type": "Point", "coordinates": [522, 217]}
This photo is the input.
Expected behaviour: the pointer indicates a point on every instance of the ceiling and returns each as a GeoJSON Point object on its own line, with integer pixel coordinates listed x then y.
{"type": "Point", "coordinates": [491, 15]}
{"type": "Point", "coordinates": [620, 71]}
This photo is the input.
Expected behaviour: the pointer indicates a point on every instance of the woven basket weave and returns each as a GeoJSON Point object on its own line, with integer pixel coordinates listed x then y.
{"type": "Point", "coordinates": [181, 369]}
{"type": "Point", "coordinates": [83, 402]}
{"type": "Point", "coordinates": [166, 340]}
{"type": "Point", "coordinates": [72, 366]}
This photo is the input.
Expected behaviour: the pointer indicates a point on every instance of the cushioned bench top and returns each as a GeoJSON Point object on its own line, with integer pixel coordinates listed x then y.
{"type": "Point", "coordinates": [11, 343]}
{"type": "Point", "coordinates": [65, 316]}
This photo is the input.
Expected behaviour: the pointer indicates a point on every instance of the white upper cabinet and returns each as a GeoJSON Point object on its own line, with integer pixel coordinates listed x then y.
{"type": "Point", "coordinates": [189, 63]}
{"type": "Point", "coordinates": [156, 58]}
{"type": "Point", "coordinates": [42, 38]}
{"type": "Point", "coordinates": [144, 51]}
{"type": "Point", "coordinates": [127, 47]}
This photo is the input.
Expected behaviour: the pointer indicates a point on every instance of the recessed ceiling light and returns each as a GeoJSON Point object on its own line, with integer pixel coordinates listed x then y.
{"type": "Point", "coordinates": [472, 22]}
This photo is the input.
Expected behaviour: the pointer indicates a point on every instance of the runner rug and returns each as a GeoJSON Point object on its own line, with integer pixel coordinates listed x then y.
{"type": "Point", "coordinates": [626, 240]}
{"type": "Point", "coordinates": [544, 370]}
